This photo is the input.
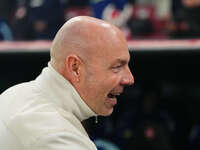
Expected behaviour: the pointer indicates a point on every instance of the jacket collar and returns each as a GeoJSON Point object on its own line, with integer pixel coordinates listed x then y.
{"type": "Point", "coordinates": [61, 92]}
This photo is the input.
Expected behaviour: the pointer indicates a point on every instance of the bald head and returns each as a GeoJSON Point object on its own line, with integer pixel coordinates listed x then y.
{"type": "Point", "coordinates": [93, 56]}
{"type": "Point", "coordinates": [81, 36]}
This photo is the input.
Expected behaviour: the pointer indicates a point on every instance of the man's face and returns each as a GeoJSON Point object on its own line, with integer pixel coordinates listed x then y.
{"type": "Point", "coordinates": [105, 77]}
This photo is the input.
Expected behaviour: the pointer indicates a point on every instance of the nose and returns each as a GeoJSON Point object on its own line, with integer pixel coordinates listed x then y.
{"type": "Point", "coordinates": [127, 78]}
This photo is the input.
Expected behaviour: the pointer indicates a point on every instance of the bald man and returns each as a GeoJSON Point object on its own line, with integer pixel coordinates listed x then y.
{"type": "Point", "coordinates": [87, 70]}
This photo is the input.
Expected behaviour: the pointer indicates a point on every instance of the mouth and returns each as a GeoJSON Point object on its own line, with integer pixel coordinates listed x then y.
{"type": "Point", "coordinates": [113, 95]}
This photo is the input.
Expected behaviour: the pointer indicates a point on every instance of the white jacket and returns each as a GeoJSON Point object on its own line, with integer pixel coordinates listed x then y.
{"type": "Point", "coordinates": [44, 114]}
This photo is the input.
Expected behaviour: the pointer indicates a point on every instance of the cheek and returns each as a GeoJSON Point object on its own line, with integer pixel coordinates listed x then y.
{"type": "Point", "coordinates": [94, 87]}
{"type": "Point", "coordinates": [100, 83]}
{"type": "Point", "coordinates": [105, 86]}
{"type": "Point", "coordinates": [113, 80]}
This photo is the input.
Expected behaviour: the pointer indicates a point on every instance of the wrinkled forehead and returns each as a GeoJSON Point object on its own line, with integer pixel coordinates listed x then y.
{"type": "Point", "coordinates": [112, 49]}
{"type": "Point", "coordinates": [119, 54]}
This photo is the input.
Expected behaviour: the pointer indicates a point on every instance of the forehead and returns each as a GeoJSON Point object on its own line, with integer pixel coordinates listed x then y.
{"type": "Point", "coordinates": [122, 58]}
{"type": "Point", "coordinates": [118, 50]}
{"type": "Point", "coordinates": [114, 53]}
{"type": "Point", "coordinates": [110, 45]}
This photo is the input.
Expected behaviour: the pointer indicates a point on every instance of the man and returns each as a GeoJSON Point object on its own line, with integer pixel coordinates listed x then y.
{"type": "Point", "coordinates": [38, 19]}
{"type": "Point", "coordinates": [185, 22]}
{"type": "Point", "coordinates": [87, 70]}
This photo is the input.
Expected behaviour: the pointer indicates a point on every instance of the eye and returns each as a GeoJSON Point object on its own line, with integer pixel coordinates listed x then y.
{"type": "Point", "coordinates": [116, 68]}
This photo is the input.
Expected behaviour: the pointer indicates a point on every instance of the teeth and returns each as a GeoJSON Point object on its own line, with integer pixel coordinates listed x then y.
{"type": "Point", "coordinates": [116, 94]}
{"type": "Point", "coordinates": [113, 95]}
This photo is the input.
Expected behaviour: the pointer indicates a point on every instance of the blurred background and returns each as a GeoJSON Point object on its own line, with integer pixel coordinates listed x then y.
{"type": "Point", "coordinates": [161, 110]}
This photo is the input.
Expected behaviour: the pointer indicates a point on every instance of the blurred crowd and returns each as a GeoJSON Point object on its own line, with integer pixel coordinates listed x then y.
{"type": "Point", "coordinates": [156, 116]}
{"type": "Point", "coordinates": [138, 19]}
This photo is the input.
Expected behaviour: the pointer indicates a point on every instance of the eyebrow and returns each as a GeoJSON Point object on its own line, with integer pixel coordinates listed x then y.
{"type": "Point", "coordinates": [121, 61]}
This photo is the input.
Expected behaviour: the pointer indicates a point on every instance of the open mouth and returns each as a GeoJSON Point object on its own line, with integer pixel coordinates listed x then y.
{"type": "Point", "coordinates": [113, 95]}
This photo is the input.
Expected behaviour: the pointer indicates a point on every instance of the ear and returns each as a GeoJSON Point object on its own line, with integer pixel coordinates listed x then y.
{"type": "Point", "coordinates": [73, 64]}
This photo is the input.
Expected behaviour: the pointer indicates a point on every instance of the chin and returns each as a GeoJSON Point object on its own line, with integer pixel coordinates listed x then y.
{"type": "Point", "coordinates": [107, 112]}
